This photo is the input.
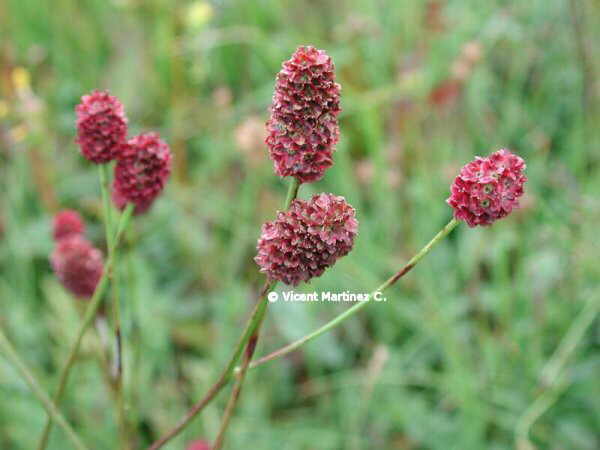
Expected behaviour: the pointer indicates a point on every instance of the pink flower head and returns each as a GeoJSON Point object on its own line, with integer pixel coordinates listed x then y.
{"type": "Point", "coordinates": [198, 445]}
{"type": "Point", "coordinates": [303, 128]}
{"type": "Point", "coordinates": [141, 171]}
{"type": "Point", "coordinates": [78, 265]}
{"type": "Point", "coordinates": [306, 239]}
{"type": "Point", "coordinates": [488, 189]}
{"type": "Point", "coordinates": [67, 223]}
{"type": "Point", "coordinates": [101, 126]}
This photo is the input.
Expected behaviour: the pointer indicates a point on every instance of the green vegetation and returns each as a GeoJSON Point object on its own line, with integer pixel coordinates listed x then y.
{"type": "Point", "coordinates": [461, 354]}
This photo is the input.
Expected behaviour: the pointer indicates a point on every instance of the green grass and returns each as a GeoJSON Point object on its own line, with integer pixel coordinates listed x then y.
{"type": "Point", "coordinates": [452, 360]}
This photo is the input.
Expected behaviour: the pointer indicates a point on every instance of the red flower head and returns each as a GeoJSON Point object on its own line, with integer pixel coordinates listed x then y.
{"type": "Point", "coordinates": [487, 189]}
{"type": "Point", "coordinates": [303, 129]}
{"type": "Point", "coordinates": [101, 126]}
{"type": "Point", "coordinates": [198, 445]}
{"type": "Point", "coordinates": [78, 265]}
{"type": "Point", "coordinates": [141, 171]}
{"type": "Point", "coordinates": [306, 239]}
{"type": "Point", "coordinates": [67, 223]}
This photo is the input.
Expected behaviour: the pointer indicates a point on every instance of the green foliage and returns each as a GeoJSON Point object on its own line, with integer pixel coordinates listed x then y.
{"type": "Point", "coordinates": [452, 360]}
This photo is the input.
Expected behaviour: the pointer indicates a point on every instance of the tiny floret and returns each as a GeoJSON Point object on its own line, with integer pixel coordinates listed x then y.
{"type": "Point", "coordinates": [306, 239]}
{"type": "Point", "coordinates": [141, 172]}
{"type": "Point", "coordinates": [67, 223]}
{"type": "Point", "coordinates": [101, 127]}
{"type": "Point", "coordinates": [303, 128]}
{"type": "Point", "coordinates": [488, 189]}
{"type": "Point", "coordinates": [78, 265]}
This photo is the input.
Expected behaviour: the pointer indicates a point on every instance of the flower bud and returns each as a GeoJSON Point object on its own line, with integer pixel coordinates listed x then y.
{"type": "Point", "coordinates": [78, 265]}
{"type": "Point", "coordinates": [141, 172]}
{"type": "Point", "coordinates": [488, 189]}
{"type": "Point", "coordinates": [306, 239]}
{"type": "Point", "coordinates": [67, 223]}
{"type": "Point", "coordinates": [303, 128]}
{"type": "Point", "coordinates": [101, 127]}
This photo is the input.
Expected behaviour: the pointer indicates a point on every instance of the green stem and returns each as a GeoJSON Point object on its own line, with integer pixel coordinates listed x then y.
{"type": "Point", "coordinates": [252, 326]}
{"type": "Point", "coordinates": [237, 388]}
{"type": "Point", "coordinates": [354, 309]}
{"type": "Point", "coordinates": [48, 404]}
{"type": "Point", "coordinates": [116, 305]}
{"type": "Point", "coordinates": [250, 348]}
{"type": "Point", "coordinates": [88, 317]}
{"type": "Point", "coordinates": [552, 385]}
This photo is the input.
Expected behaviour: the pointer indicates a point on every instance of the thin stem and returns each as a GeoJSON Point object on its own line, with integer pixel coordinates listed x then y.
{"type": "Point", "coordinates": [250, 349]}
{"type": "Point", "coordinates": [551, 379]}
{"type": "Point", "coordinates": [35, 387]}
{"type": "Point", "coordinates": [117, 371]}
{"type": "Point", "coordinates": [252, 326]}
{"type": "Point", "coordinates": [88, 317]}
{"type": "Point", "coordinates": [237, 388]}
{"type": "Point", "coordinates": [292, 193]}
{"type": "Point", "coordinates": [354, 309]}
{"type": "Point", "coordinates": [225, 376]}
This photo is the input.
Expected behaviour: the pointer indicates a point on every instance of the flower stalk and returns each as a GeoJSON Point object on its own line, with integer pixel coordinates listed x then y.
{"type": "Point", "coordinates": [354, 309]}
{"type": "Point", "coordinates": [251, 329]}
{"type": "Point", "coordinates": [89, 315]}
{"type": "Point", "coordinates": [117, 369]}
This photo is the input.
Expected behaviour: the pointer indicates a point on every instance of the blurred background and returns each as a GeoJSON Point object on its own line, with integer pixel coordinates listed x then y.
{"type": "Point", "coordinates": [462, 356]}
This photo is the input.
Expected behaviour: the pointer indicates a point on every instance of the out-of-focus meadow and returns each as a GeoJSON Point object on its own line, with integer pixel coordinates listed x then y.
{"type": "Point", "coordinates": [461, 354]}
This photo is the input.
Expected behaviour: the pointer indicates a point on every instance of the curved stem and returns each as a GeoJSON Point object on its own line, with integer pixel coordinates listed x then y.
{"type": "Point", "coordinates": [88, 317]}
{"type": "Point", "coordinates": [354, 309]}
{"type": "Point", "coordinates": [48, 404]}
{"type": "Point", "coordinates": [551, 382]}
{"type": "Point", "coordinates": [252, 326]}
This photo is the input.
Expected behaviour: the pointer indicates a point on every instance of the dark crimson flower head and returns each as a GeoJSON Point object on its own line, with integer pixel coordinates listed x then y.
{"type": "Point", "coordinates": [119, 200]}
{"type": "Point", "coordinates": [101, 126]}
{"type": "Point", "coordinates": [141, 172]}
{"type": "Point", "coordinates": [67, 223]}
{"type": "Point", "coordinates": [198, 445]}
{"type": "Point", "coordinates": [488, 189]}
{"type": "Point", "coordinates": [78, 265]}
{"type": "Point", "coordinates": [303, 128]}
{"type": "Point", "coordinates": [306, 239]}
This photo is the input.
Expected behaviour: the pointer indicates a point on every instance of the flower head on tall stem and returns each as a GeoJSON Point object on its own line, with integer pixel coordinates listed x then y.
{"type": "Point", "coordinates": [142, 171]}
{"type": "Point", "coordinates": [488, 189]}
{"type": "Point", "coordinates": [78, 265]}
{"type": "Point", "coordinates": [303, 128]}
{"type": "Point", "coordinates": [306, 239]}
{"type": "Point", "coordinates": [101, 127]}
{"type": "Point", "coordinates": [67, 223]}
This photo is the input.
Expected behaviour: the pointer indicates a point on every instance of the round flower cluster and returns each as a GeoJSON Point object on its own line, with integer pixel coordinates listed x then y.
{"type": "Point", "coordinates": [67, 223]}
{"type": "Point", "coordinates": [141, 173]}
{"type": "Point", "coordinates": [306, 239]}
{"type": "Point", "coordinates": [101, 126]}
{"type": "Point", "coordinates": [487, 189]}
{"type": "Point", "coordinates": [303, 128]}
{"type": "Point", "coordinates": [76, 262]}
{"type": "Point", "coordinates": [143, 162]}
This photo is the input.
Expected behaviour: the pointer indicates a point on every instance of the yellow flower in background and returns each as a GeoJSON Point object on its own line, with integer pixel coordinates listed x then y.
{"type": "Point", "coordinates": [198, 14]}
{"type": "Point", "coordinates": [18, 133]}
{"type": "Point", "coordinates": [21, 79]}
{"type": "Point", "coordinates": [4, 109]}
